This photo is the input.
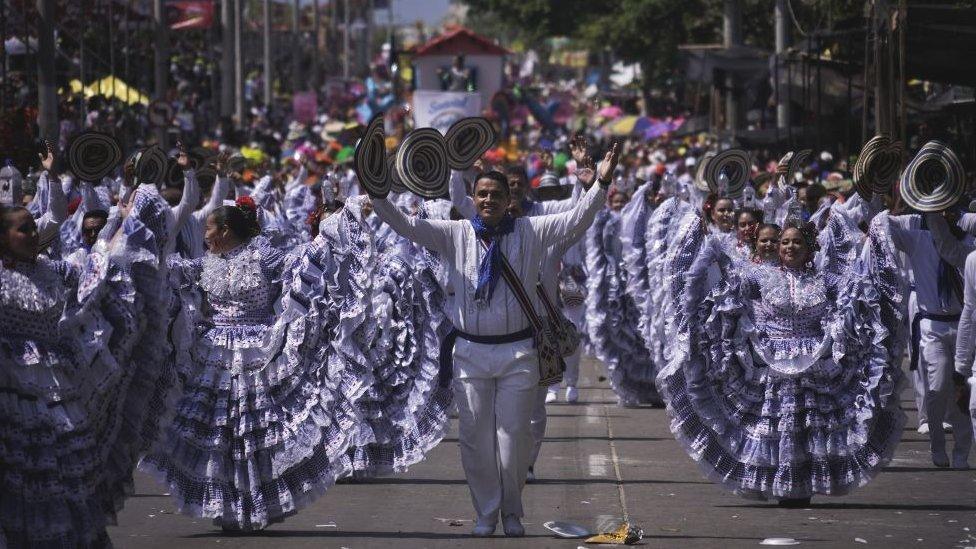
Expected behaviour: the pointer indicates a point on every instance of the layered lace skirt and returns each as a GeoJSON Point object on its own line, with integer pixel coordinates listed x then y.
{"type": "Point", "coordinates": [76, 413]}
{"type": "Point", "coordinates": [765, 434]}
{"type": "Point", "coordinates": [405, 409]}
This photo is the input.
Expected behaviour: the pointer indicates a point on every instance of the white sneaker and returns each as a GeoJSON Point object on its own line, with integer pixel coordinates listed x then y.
{"type": "Point", "coordinates": [484, 527]}
{"type": "Point", "coordinates": [923, 429]}
{"type": "Point", "coordinates": [946, 427]}
{"type": "Point", "coordinates": [513, 526]}
{"type": "Point", "coordinates": [552, 395]}
{"type": "Point", "coordinates": [572, 394]}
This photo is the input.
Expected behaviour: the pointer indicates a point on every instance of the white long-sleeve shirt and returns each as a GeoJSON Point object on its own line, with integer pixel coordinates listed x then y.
{"type": "Point", "coordinates": [924, 249]}
{"type": "Point", "coordinates": [192, 231]}
{"type": "Point", "coordinates": [53, 212]}
{"type": "Point", "coordinates": [177, 215]}
{"type": "Point", "coordinates": [525, 248]}
{"type": "Point", "coordinates": [966, 336]}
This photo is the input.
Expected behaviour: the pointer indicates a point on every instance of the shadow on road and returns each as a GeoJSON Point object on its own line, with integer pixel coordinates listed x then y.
{"type": "Point", "coordinates": [866, 506]}
{"type": "Point", "coordinates": [913, 469]}
{"type": "Point", "coordinates": [347, 534]}
{"type": "Point", "coordinates": [540, 481]}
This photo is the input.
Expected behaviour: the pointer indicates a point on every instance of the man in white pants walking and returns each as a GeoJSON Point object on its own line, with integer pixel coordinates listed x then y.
{"type": "Point", "coordinates": [495, 371]}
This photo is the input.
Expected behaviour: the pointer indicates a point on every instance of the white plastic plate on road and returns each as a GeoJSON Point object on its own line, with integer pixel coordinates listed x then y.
{"type": "Point", "coordinates": [779, 541]}
{"type": "Point", "coordinates": [567, 529]}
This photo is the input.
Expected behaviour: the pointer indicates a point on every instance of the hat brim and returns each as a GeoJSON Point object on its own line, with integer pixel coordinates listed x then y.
{"type": "Point", "coordinates": [421, 163]}
{"type": "Point", "coordinates": [934, 180]}
{"type": "Point", "coordinates": [468, 139]}
{"type": "Point", "coordinates": [370, 160]}
{"type": "Point", "coordinates": [93, 155]}
{"type": "Point", "coordinates": [151, 166]}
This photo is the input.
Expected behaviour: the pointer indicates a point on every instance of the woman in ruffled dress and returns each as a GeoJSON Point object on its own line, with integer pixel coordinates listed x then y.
{"type": "Point", "coordinates": [81, 385]}
{"type": "Point", "coordinates": [405, 408]}
{"type": "Point", "coordinates": [272, 352]}
{"type": "Point", "coordinates": [785, 379]}
{"type": "Point", "coordinates": [612, 315]}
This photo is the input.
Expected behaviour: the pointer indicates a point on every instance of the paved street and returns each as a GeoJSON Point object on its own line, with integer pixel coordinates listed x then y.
{"type": "Point", "coordinates": [600, 463]}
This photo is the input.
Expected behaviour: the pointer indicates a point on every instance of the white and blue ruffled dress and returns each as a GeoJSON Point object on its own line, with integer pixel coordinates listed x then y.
{"type": "Point", "coordinates": [783, 383]}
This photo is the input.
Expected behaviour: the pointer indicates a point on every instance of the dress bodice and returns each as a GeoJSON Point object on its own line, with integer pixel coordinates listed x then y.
{"type": "Point", "coordinates": [33, 297]}
{"type": "Point", "coordinates": [241, 286]}
{"type": "Point", "coordinates": [789, 311]}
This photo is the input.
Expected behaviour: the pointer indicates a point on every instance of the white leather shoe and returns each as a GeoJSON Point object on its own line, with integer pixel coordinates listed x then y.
{"type": "Point", "coordinates": [946, 427]}
{"type": "Point", "coordinates": [923, 429]}
{"type": "Point", "coordinates": [484, 527]}
{"type": "Point", "coordinates": [572, 394]}
{"type": "Point", "coordinates": [513, 526]}
{"type": "Point", "coordinates": [551, 396]}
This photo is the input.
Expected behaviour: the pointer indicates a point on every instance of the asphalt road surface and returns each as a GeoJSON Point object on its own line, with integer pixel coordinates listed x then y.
{"type": "Point", "coordinates": [599, 464]}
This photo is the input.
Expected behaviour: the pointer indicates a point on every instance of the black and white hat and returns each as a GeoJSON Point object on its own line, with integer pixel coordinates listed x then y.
{"type": "Point", "coordinates": [468, 139]}
{"type": "Point", "coordinates": [93, 155]}
{"type": "Point", "coordinates": [421, 163]}
{"type": "Point", "coordinates": [934, 180]}
{"type": "Point", "coordinates": [151, 166]}
{"type": "Point", "coordinates": [372, 168]}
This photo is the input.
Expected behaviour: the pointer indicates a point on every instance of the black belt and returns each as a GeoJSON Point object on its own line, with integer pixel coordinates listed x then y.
{"type": "Point", "coordinates": [446, 373]}
{"type": "Point", "coordinates": [917, 332]}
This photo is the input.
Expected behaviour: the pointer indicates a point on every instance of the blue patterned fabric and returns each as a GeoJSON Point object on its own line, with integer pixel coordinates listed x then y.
{"type": "Point", "coordinates": [784, 384]}
{"type": "Point", "coordinates": [490, 269]}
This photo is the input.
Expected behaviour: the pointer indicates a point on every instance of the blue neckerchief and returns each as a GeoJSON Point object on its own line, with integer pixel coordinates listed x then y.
{"type": "Point", "coordinates": [491, 263]}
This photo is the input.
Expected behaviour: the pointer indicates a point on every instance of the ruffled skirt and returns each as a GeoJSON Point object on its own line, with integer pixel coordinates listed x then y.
{"type": "Point", "coordinates": [765, 434]}
{"type": "Point", "coordinates": [405, 409]}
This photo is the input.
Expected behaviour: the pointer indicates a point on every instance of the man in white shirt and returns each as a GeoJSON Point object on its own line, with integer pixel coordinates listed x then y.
{"type": "Point", "coordinates": [934, 254]}
{"type": "Point", "coordinates": [966, 338]}
{"type": "Point", "coordinates": [495, 365]}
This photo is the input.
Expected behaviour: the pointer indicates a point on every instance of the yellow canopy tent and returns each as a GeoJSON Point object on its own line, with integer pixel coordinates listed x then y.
{"type": "Point", "coordinates": [104, 87]}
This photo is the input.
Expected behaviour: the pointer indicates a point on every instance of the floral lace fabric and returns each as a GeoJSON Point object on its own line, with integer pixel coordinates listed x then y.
{"type": "Point", "coordinates": [612, 315]}
{"type": "Point", "coordinates": [404, 408]}
{"type": "Point", "coordinates": [82, 384]}
{"type": "Point", "coordinates": [763, 429]}
{"type": "Point", "coordinates": [272, 351]}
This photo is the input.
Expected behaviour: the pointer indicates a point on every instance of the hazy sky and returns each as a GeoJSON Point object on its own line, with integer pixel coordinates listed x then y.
{"type": "Point", "coordinates": [407, 11]}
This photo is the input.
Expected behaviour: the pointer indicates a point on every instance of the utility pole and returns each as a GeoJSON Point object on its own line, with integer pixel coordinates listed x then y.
{"type": "Point", "coordinates": [161, 62]}
{"type": "Point", "coordinates": [782, 42]}
{"type": "Point", "coordinates": [732, 36]}
{"type": "Point", "coordinates": [239, 62]}
{"type": "Point", "coordinates": [227, 58]}
{"type": "Point", "coordinates": [296, 49]}
{"type": "Point", "coordinates": [267, 55]}
{"type": "Point", "coordinates": [317, 50]}
{"type": "Point", "coordinates": [47, 94]}
{"type": "Point", "coordinates": [345, 39]}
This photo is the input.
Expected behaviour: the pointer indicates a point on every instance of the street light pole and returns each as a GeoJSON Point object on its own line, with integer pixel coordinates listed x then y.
{"type": "Point", "coordinates": [345, 39]}
{"type": "Point", "coordinates": [239, 62]}
{"type": "Point", "coordinates": [227, 58]}
{"type": "Point", "coordinates": [267, 55]}
{"type": "Point", "coordinates": [782, 42]}
{"type": "Point", "coordinates": [732, 36]}
{"type": "Point", "coordinates": [161, 59]}
{"type": "Point", "coordinates": [47, 95]}
{"type": "Point", "coordinates": [316, 50]}
{"type": "Point", "coordinates": [296, 50]}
